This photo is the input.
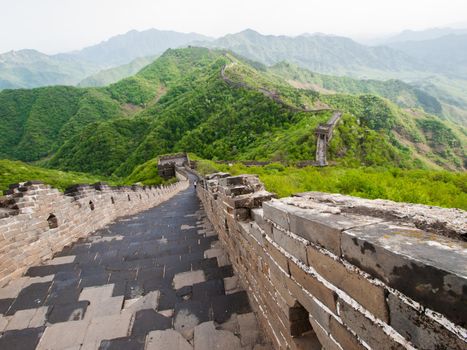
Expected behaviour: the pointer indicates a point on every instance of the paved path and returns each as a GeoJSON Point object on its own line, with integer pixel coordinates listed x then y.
{"type": "Point", "coordinates": [157, 280]}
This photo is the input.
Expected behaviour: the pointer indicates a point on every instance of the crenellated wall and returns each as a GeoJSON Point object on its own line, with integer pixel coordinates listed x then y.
{"type": "Point", "coordinates": [341, 272]}
{"type": "Point", "coordinates": [36, 220]}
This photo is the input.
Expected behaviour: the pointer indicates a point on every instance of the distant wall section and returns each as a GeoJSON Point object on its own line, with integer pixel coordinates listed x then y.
{"type": "Point", "coordinates": [341, 272]}
{"type": "Point", "coordinates": [36, 220]}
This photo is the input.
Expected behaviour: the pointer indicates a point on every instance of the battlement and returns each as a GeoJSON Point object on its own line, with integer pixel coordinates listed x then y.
{"type": "Point", "coordinates": [37, 220]}
{"type": "Point", "coordinates": [167, 164]}
{"type": "Point", "coordinates": [350, 272]}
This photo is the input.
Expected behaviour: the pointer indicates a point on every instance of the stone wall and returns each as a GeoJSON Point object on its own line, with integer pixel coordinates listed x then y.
{"type": "Point", "coordinates": [36, 220]}
{"type": "Point", "coordinates": [340, 272]}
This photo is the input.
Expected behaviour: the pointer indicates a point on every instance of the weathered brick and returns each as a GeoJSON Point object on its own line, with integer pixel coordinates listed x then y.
{"type": "Point", "coordinates": [370, 332]}
{"type": "Point", "coordinates": [320, 229]}
{"type": "Point", "coordinates": [370, 296]}
{"type": "Point", "coordinates": [313, 286]}
{"type": "Point", "coordinates": [276, 212]}
{"type": "Point", "coordinates": [325, 340]}
{"type": "Point", "coordinates": [419, 329]}
{"type": "Point", "coordinates": [279, 258]}
{"type": "Point", "coordinates": [409, 267]}
{"type": "Point", "coordinates": [28, 236]}
{"type": "Point", "coordinates": [291, 245]}
{"type": "Point", "coordinates": [313, 308]}
{"type": "Point", "coordinates": [343, 336]}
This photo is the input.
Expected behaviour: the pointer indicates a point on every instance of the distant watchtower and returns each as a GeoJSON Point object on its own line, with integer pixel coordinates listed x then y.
{"type": "Point", "coordinates": [323, 135]}
{"type": "Point", "coordinates": [167, 164]}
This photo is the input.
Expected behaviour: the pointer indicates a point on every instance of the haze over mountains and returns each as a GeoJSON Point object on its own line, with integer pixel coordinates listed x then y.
{"type": "Point", "coordinates": [30, 68]}
{"type": "Point", "coordinates": [214, 104]}
{"type": "Point", "coordinates": [403, 54]}
{"type": "Point", "coordinates": [433, 61]}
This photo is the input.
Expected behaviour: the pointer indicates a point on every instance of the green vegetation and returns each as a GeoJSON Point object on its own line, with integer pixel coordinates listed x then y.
{"type": "Point", "coordinates": [397, 91]}
{"type": "Point", "coordinates": [12, 172]}
{"type": "Point", "coordinates": [181, 103]}
{"type": "Point", "coordinates": [440, 188]}
{"type": "Point", "coordinates": [35, 123]}
{"type": "Point", "coordinates": [112, 75]}
{"type": "Point", "coordinates": [146, 174]}
{"type": "Point", "coordinates": [199, 112]}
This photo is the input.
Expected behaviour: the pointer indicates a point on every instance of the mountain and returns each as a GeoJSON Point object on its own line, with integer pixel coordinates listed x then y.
{"type": "Point", "coordinates": [199, 112]}
{"type": "Point", "coordinates": [440, 96]}
{"type": "Point", "coordinates": [35, 123]}
{"type": "Point", "coordinates": [112, 75]}
{"type": "Point", "coordinates": [124, 48]}
{"type": "Point", "coordinates": [319, 53]}
{"type": "Point", "coordinates": [447, 54]}
{"type": "Point", "coordinates": [434, 67]}
{"type": "Point", "coordinates": [30, 68]}
{"type": "Point", "coordinates": [219, 106]}
{"type": "Point", "coordinates": [416, 35]}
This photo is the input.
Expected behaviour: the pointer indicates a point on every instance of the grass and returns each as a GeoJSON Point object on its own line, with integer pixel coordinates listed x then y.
{"type": "Point", "coordinates": [12, 172]}
{"type": "Point", "coordinates": [429, 187]}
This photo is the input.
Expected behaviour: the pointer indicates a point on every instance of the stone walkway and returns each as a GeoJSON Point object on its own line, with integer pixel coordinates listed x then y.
{"type": "Point", "coordinates": [157, 280]}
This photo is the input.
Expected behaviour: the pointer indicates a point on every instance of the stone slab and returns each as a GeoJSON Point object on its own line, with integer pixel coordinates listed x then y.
{"type": "Point", "coordinates": [422, 266]}
{"type": "Point", "coordinates": [188, 278]}
{"type": "Point", "coordinates": [54, 335]}
{"type": "Point", "coordinates": [207, 337]}
{"type": "Point", "coordinates": [167, 339]}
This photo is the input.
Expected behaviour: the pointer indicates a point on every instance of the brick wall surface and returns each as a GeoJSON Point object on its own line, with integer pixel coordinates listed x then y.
{"type": "Point", "coordinates": [36, 220]}
{"type": "Point", "coordinates": [325, 273]}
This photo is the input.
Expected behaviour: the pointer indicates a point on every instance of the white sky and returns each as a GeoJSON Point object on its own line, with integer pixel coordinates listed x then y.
{"type": "Point", "coordinates": [61, 25]}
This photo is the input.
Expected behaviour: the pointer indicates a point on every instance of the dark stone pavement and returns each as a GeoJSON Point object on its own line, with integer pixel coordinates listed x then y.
{"type": "Point", "coordinates": [123, 272]}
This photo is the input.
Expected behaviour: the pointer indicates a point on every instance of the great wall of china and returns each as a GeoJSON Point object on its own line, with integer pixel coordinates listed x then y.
{"type": "Point", "coordinates": [323, 131]}
{"type": "Point", "coordinates": [348, 272]}
{"type": "Point", "coordinates": [37, 221]}
{"type": "Point", "coordinates": [320, 270]}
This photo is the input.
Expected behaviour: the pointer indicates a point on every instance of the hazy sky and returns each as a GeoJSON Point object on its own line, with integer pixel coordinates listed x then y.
{"type": "Point", "coordinates": [61, 25]}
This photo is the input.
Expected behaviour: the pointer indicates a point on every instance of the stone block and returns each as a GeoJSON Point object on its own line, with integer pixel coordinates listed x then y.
{"type": "Point", "coordinates": [343, 336]}
{"type": "Point", "coordinates": [325, 340]}
{"type": "Point", "coordinates": [423, 266]}
{"type": "Point", "coordinates": [277, 256]}
{"type": "Point", "coordinates": [370, 332]}
{"type": "Point", "coordinates": [313, 286]}
{"type": "Point", "coordinates": [313, 308]}
{"type": "Point", "coordinates": [277, 212]}
{"type": "Point", "coordinates": [256, 231]}
{"type": "Point", "coordinates": [107, 327]}
{"type": "Point", "coordinates": [188, 278]}
{"type": "Point", "coordinates": [322, 229]}
{"type": "Point", "coordinates": [422, 331]}
{"type": "Point", "coordinates": [249, 331]}
{"type": "Point", "coordinates": [371, 296]}
{"type": "Point", "coordinates": [291, 245]}
{"type": "Point", "coordinates": [207, 337]}
{"type": "Point", "coordinates": [167, 339]}
{"type": "Point", "coordinates": [63, 335]}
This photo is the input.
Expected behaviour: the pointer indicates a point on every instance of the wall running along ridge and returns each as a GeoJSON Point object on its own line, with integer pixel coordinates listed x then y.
{"type": "Point", "coordinates": [343, 272]}
{"type": "Point", "coordinates": [37, 220]}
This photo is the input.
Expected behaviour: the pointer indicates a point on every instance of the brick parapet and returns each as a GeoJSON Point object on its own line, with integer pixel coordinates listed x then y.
{"type": "Point", "coordinates": [37, 220]}
{"type": "Point", "coordinates": [341, 270]}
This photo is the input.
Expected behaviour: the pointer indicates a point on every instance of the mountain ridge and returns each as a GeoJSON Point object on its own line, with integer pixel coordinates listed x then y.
{"type": "Point", "coordinates": [36, 69]}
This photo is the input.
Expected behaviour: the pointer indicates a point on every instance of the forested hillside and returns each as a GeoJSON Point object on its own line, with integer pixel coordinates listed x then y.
{"type": "Point", "coordinates": [182, 102]}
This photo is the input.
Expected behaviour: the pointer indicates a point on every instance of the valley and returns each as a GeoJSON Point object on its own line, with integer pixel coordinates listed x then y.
{"type": "Point", "coordinates": [221, 106]}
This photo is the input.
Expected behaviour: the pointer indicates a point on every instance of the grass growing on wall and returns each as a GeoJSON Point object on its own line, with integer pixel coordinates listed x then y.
{"type": "Point", "coordinates": [12, 172]}
{"type": "Point", "coordinates": [440, 188]}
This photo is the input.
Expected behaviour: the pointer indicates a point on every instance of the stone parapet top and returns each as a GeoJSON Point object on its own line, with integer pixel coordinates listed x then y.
{"type": "Point", "coordinates": [443, 221]}
{"type": "Point", "coordinates": [383, 240]}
